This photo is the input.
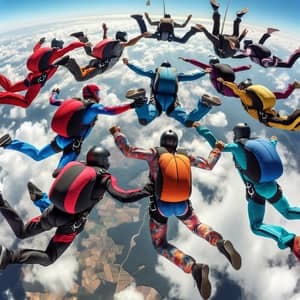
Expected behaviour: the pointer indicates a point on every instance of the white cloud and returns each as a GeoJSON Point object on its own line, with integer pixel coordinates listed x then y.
{"type": "Point", "coordinates": [130, 293]}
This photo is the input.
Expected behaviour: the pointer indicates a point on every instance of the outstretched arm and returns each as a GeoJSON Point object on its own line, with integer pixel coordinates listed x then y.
{"type": "Point", "coordinates": [233, 87]}
{"type": "Point", "coordinates": [128, 150]}
{"type": "Point", "coordinates": [286, 93]}
{"type": "Point", "coordinates": [39, 44]}
{"type": "Point", "coordinates": [135, 39]}
{"type": "Point", "coordinates": [183, 24]}
{"type": "Point", "coordinates": [110, 110]}
{"type": "Point", "coordinates": [242, 68]}
{"type": "Point", "coordinates": [195, 63]}
{"type": "Point", "coordinates": [153, 23]}
{"type": "Point", "coordinates": [190, 77]}
{"type": "Point", "coordinates": [139, 70]}
{"type": "Point", "coordinates": [209, 163]}
{"type": "Point", "coordinates": [125, 195]}
{"type": "Point", "coordinates": [61, 52]}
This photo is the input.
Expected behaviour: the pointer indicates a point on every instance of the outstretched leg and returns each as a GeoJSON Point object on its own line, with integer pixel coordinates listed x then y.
{"type": "Point", "coordinates": [291, 122]}
{"type": "Point", "coordinates": [141, 22]}
{"type": "Point", "coordinates": [187, 36]}
{"type": "Point", "coordinates": [256, 212]}
{"type": "Point", "coordinates": [290, 62]}
{"type": "Point", "coordinates": [289, 212]}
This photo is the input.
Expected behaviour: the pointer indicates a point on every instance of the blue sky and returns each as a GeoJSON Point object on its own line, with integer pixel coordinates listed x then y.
{"type": "Point", "coordinates": [265, 13]}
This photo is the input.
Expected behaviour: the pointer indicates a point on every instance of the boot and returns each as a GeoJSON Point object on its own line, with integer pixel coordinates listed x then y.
{"type": "Point", "coordinates": [227, 249]}
{"type": "Point", "coordinates": [62, 61]}
{"type": "Point", "coordinates": [135, 94]}
{"type": "Point", "coordinates": [214, 4]}
{"type": "Point", "coordinates": [200, 275]}
{"type": "Point", "coordinates": [80, 35]}
{"type": "Point", "coordinates": [210, 101]}
{"type": "Point", "coordinates": [34, 192]}
{"type": "Point", "coordinates": [242, 12]}
{"type": "Point", "coordinates": [4, 257]}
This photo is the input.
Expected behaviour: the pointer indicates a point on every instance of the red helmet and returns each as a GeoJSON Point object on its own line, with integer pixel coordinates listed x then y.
{"type": "Point", "coordinates": [91, 91]}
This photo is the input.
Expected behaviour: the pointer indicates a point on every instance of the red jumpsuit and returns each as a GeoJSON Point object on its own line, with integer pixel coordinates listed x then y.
{"type": "Point", "coordinates": [40, 65]}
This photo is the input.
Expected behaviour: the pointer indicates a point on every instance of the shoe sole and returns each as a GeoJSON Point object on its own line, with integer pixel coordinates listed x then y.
{"type": "Point", "coordinates": [212, 100]}
{"type": "Point", "coordinates": [205, 290]}
{"type": "Point", "coordinates": [235, 258]}
{"type": "Point", "coordinates": [2, 256]}
{"type": "Point", "coordinates": [132, 94]}
{"type": "Point", "coordinates": [4, 140]}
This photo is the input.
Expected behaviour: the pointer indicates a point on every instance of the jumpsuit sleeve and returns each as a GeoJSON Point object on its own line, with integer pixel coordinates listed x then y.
{"type": "Point", "coordinates": [190, 77]}
{"type": "Point", "coordinates": [132, 41]}
{"type": "Point", "coordinates": [37, 46]}
{"type": "Point", "coordinates": [209, 163]}
{"type": "Point", "coordinates": [285, 94]}
{"type": "Point", "coordinates": [197, 63]}
{"type": "Point", "coordinates": [234, 88]}
{"type": "Point", "coordinates": [61, 52]}
{"type": "Point", "coordinates": [124, 195]}
{"type": "Point", "coordinates": [140, 71]}
{"type": "Point", "coordinates": [153, 23]}
{"type": "Point", "coordinates": [128, 150]}
{"type": "Point", "coordinates": [183, 24]}
{"type": "Point", "coordinates": [241, 68]}
{"type": "Point", "coordinates": [110, 110]}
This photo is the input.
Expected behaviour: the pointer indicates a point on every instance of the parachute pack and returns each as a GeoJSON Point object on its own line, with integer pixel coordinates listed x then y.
{"type": "Point", "coordinates": [108, 51]}
{"type": "Point", "coordinates": [263, 161]}
{"type": "Point", "coordinates": [72, 190]}
{"type": "Point", "coordinates": [262, 98]}
{"type": "Point", "coordinates": [224, 71]}
{"type": "Point", "coordinates": [67, 120]}
{"type": "Point", "coordinates": [173, 183]}
{"type": "Point", "coordinates": [166, 81]}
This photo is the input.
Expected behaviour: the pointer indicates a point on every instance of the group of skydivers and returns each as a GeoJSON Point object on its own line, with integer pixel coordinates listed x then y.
{"type": "Point", "coordinates": [79, 186]}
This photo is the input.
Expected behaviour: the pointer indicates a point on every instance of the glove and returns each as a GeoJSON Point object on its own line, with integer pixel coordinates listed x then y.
{"type": "Point", "coordinates": [114, 129]}
{"type": "Point", "coordinates": [56, 91]}
{"type": "Point", "coordinates": [149, 187]}
{"type": "Point", "coordinates": [138, 103]}
{"type": "Point", "coordinates": [42, 40]}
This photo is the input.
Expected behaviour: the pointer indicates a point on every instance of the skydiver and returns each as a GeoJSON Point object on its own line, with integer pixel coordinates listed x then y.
{"type": "Point", "coordinates": [69, 213]}
{"type": "Point", "coordinates": [105, 53]}
{"type": "Point", "coordinates": [259, 176]}
{"type": "Point", "coordinates": [165, 28]}
{"type": "Point", "coordinates": [71, 130]}
{"type": "Point", "coordinates": [215, 70]}
{"type": "Point", "coordinates": [171, 198]}
{"type": "Point", "coordinates": [163, 97]}
{"type": "Point", "coordinates": [262, 56]}
{"type": "Point", "coordinates": [42, 64]}
{"type": "Point", "coordinates": [259, 102]}
{"type": "Point", "coordinates": [224, 45]}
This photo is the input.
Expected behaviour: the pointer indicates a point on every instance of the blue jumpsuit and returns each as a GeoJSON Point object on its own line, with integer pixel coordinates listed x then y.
{"type": "Point", "coordinates": [149, 111]}
{"type": "Point", "coordinates": [69, 146]}
{"type": "Point", "coordinates": [267, 190]}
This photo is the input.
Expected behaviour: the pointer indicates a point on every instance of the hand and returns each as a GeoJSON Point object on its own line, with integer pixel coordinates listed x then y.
{"type": "Point", "coordinates": [146, 34]}
{"type": "Point", "coordinates": [42, 40]}
{"type": "Point", "coordinates": [249, 66]}
{"type": "Point", "coordinates": [114, 129]}
{"type": "Point", "coordinates": [56, 91]}
{"type": "Point", "coordinates": [220, 79]}
{"type": "Point", "coordinates": [273, 138]}
{"type": "Point", "coordinates": [208, 70]}
{"type": "Point", "coordinates": [138, 102]}
{"type": "Point", "coordinates": [220, 145]}
{"type": "Point", "coordinates": [200, 26]}
{"type": "Point", "coordinates": [146, 14]}
{"type": "Point", "coordinates": [182, 58]}
{"type": "Point", "coordinates": [189, 17]}
{"type": "Point", "coordinates": [125, 61]}
{"type": "Point", "coordinates": [149, 187]}
{"type": "Point", "coordinates": [89, 44]}
{"type": "Point", "coordinates": [196, 124]}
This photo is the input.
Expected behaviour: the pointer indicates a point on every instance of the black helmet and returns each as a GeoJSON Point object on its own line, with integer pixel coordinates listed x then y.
{"type": "Point", "coordinates": [98, 156]}
{"type": "Point", "coordinates": [121, 36]}
{"type": "Point", "coordinates": [57, 43]}
{"type": "Point", "coordinates": [169, 139]}
{"type": "Point", "coordinates": [244, 84]}
{"type": "Point", "coordinates": [241, 131]}
{"type": "Point", "coordinates": [247, 43]}
{"type": "Point", "coordinates": [165, 64]}
{"type": "Point", "coordinates": [214, 61]}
